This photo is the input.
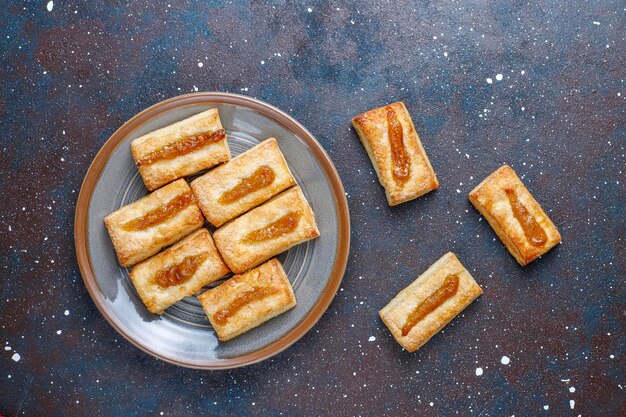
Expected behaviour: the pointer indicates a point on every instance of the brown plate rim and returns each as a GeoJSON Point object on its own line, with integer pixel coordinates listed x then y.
{"type": "Point", "coordinates": [343, 247]}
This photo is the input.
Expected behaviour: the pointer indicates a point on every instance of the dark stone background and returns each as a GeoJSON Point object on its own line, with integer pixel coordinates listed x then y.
{"type": "Point", "coordinates": [73, 75]}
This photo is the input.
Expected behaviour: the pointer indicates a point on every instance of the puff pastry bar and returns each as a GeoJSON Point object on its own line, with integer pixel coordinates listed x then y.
{"type": "Point", "coordinates": [178, 272]}
{"type": "Point", "coordinates": [517, 218]}
{"type": "Point", "coordinates": [181, 149]}
{"type": "Point", "coordinates": [141, 229]}
{"type": "Point", "coordinates": [395, 149]}
{"type": "Point", "coordinates": [282, 222]}
{"type": "Point", "coordinates": [423, 308]}
{"type": "Point", "coordinates": [248, 180]}
{"type": "Point", "coordinates": [245, 301]}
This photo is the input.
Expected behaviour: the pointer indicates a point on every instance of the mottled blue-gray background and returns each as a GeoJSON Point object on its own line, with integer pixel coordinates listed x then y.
{"type": "Point", "coordinates": [539, 85]}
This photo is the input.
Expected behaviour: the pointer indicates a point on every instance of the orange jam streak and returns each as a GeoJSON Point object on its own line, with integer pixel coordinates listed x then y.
{"type": "Point", "coordinates": [447, 290]}
{"type": "Point", "coordinates": [533, 231]}
{"type": "Point", "coordinates": [179, 273]}
{"type": "Point", "coordinates": [182, 146]}
{"type": "Point", "coordinates": [399, 156]}
{"type": "Point", "coordinates": [160, 214]}
{"type": "Point", "coordinates": [222, 316]}
{"type": "Point", "coordinates": [285, 224]}
{"type": "Point", "coordinates": [262, 177]}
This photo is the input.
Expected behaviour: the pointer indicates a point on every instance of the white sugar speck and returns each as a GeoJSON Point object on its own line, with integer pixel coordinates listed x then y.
{"type": "Point", "coordinates": [612, 356]}
{"type": "Point", "coordinates": [50, 5]}
{"type": "Point", "coordinates": [499, 77]}
{"type": "Point", "coordinates": [195, 88]}
{"type": "Point", "coordinates": [66, 312]}
{"type": "Point", "coordinates": [479, 371]}
{"type": "Point", "coordinates": [445, 54]}
{"type": "Point", "coordinates": [505, 360]}
{"type": "Point", "coordinates": [596, 23]}
{"type": "Point", "coordinates": [262, 62]}
{"type": "Point", "coordinates": [572, 403]}
{"type": "Point", "coordinates": [572, 389]}
{"type": "Point", "coordinates": [59, 331]}
{"type": "Point", "coordinates": [309, 10]}
{"type": "Point", "coordinates": [489, 81]}
{"type": "Point", "coordinates": [7, 348]}
{"type": "Point", "coordinates": [16, 357]}
{"type": "Point", "coordinates": [546, 407]}
{"type": "Point", "coordinates": [523, 72]}
{"type": "Point", "coordinates": [200, 64]}
{"type": "Point", "coordinates": [371, 339]}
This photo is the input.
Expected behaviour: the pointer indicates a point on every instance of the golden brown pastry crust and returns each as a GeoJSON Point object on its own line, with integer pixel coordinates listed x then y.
{"type": "Point", "coordinates": [241, 256]}
{"type": "Point", "coordinates": [133, 246]}
{"type": "Point", "coordinates": [210, 187]}
{"type": "Point", "coordinates": [259, 308]}
{"type": "Point", "coordinates": [490, 198]}
{"type": "Point", "coordinates": [211, 268]}
{"type": "Point", "coordinates": [372, 128]}
{"type": "Point", "coordinates": [164, 171]}
{"type": "Point", "coordinates": [396, 313]}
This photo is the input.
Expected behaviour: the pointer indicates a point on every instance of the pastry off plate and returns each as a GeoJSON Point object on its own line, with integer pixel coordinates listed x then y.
{"type": "Point", "coordinates": [182, 334]}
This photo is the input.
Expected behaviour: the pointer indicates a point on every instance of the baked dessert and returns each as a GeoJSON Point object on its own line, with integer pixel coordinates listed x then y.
{"type": "Point", "coordinates": [395, 149]}
{"type": "Point", "coordinates": [246, 181]}
{"type": "Point", "coordinates": [141, 229]}
{"type": "Point", "coordinates": [423, 308]}
{"type": "Point", "coordinates": [245, 301]}
{"type": "Point", "coordinates": [273, 227]}
{"type": "Point", "coordinates": [178, 272]}
{"type": "Point", "coordinates": [514, 214]}
{"type": "Point", "coordinates": [180, 149]}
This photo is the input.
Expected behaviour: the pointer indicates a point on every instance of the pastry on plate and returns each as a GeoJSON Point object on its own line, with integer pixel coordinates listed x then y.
{"type": "Point", "coordinates": [245, 301]}
{"type": "Point", "coordinates": [395, 149]}
{"type": "Point", "coordinates": [180, 149]}
{"type": "Point", "coordinates": [141, 229]}
{"type": "Point", "coordinates": [423, 308]}
{"type": "Point", "coordinates": [178, 272]}
{"type": "Point", "coordinates": [273, 227]}
{"type": "Point", "coordinates": [515, 216]}
{"type": "Point", "coordinates": [246, 181]}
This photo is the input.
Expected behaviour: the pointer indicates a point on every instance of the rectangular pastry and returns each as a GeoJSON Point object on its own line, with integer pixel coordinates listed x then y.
{"type": "Point", "coordinates": [178, 272]}
{"type": "Point", "coordinates": [141, 229]}
{"type": "Point", "coordinates": [395, 149]}
{"type": "Point", "coordinates": [423, 308]}
{"type": "Point", "coordinates": [264, 232]}
{"type": "Point", "coordinates": [246, 181]}
{"type": "Point", "coordinates": [517, 218]}
{"type": "Point", "coordinates": [248, 300]}
{"type": "Point", "coordinates": [180, 149]}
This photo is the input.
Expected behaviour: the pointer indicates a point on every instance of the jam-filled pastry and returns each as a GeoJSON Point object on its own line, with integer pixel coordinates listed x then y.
{"type": "Point", "coordinates": [243, 183]}
{"type": "Point", "coordinates": [273, 227]}
{"type": "Point", "coordinates": [141, 229]}
{"type": "Point", "coordinates": [515, 216]}
{"type": "Point", "coordinates": [395, 149]}
{"type": "Point", "coordinates": [178, 272]}
{"type": "Point", "coordinates": [180, 149]}
{"type": "Point", "coordinates": [423, 308]}
{"type": "Point", "coordinates": [245, 301]}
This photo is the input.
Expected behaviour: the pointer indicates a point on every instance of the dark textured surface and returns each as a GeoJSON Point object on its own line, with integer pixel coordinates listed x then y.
{"type": "Point", "coordinates": [72, 75]}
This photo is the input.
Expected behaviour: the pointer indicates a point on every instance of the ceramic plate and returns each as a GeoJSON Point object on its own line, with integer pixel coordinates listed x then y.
{"type": "Point", "coordinates": [183, 335]}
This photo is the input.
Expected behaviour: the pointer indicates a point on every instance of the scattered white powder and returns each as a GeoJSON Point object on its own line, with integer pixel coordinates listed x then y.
{"type": "Point", "coordinates": [479, 371]}
{"type": "Point", "coordinates": [371, 339]}
{"type": "Point", "coordinates": [505, 360]}
{"type": "Point", "coordinates": [50, 5]}
{"type": "Point", "coordinates": [16, 357]}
